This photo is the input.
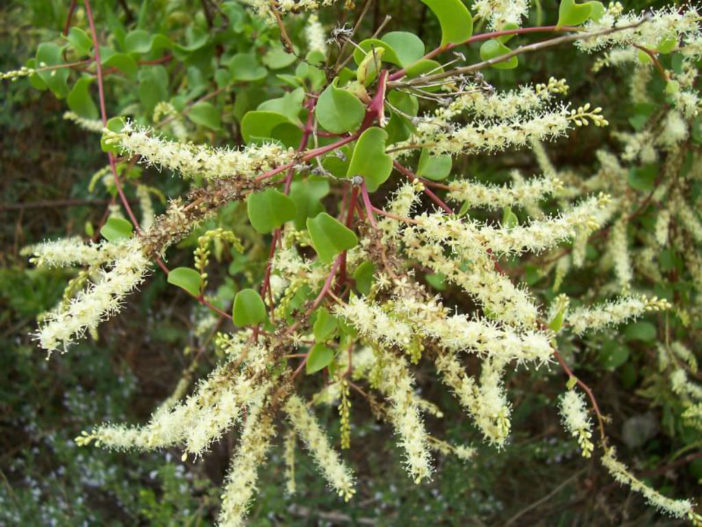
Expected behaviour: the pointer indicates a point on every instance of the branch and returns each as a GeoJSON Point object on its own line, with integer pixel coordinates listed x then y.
{"type": "Point", "coordinates": [519, 51]}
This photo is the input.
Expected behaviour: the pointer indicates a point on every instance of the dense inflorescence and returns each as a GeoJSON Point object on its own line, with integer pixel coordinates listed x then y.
{"type": "Point", "coordinates": [349, 291]}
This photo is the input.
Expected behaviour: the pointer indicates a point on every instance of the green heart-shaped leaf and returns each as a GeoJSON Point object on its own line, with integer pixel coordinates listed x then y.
{"type": "Point", "coordinates": [320, 357]}
{"type": "Point", "coordinates": [494, 48]}
{"type": "Point", "coordinates": [434, 166]}
{"type": "Point", "coordinates": [307, 196]}
{"type": "Point", "coordinates": [277, 58]}
{"type": "Point", "coordinates": [339, 111]}
{"type": "Point", "coordinates": [363, 276]}
{"type": "Point", "coordinates": [138, 41]}
{"type": "Point", "coordinates": [324, 325]}
{"type": "Point", "coordinates": [205, 114]}
{"type": "Point", "coordinates": [116, 229]}
{"type": "Point", "coordinates": [153, 86]}
{"type": "Point", "coordinates": [49, 54]}
{"type": "Point", "coordinates": [509, 218]}
{"type": "Point", "coordinates": [329, 236]}
{"type": "Point", "coordinates": [260, 126]}
{"type": "Point", "coordinates": [80, 101]}
{"type": "Point", "coordinates": [248, 309]}
{"type": "Point", "coordinates": [454, 18]}
{"type": "Point", "coordinates": [369, 159]}
{"type": "Point", "coordinates": [80, 40]}
{"type": "Point", "coordinates": [123, 63]}
{"type": "Point", "coordinates": [186, 278]}
{"type": "Point", "coordinates": [572, 14]}
{"type": "Point", "coordinates": [436, 280]}
{"type": "Point", "coordinates": [408, 47]}
{"type": "Point", "coordinates": [289, 105]}
{"type": "Point", "coordinates": [269, 209]}
{"type": "Point", "coordinates": [245, 67]}
{"type": "Point", "coordinates": [368, 45]}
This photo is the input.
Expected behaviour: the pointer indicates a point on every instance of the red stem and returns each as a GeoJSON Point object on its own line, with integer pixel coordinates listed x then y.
{"type": "Point", "coordinates": [367, 204]}
{"type": "Point", "coordinates": [103, 115]}
{"type": "Point", "coordinates": [349, 220]}
{"type": "Point", "coordinates": [69, 17]}
{"type": "Point", "coordinates": [308, 155]}
{"type": "Point", "coordinates": [412, 176]}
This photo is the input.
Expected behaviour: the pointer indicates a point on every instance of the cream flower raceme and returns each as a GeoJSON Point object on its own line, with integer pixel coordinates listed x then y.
{"type": "Point", "coordinates": [101, 299]}
{"type": "Point", "coordinates": [198, 160]}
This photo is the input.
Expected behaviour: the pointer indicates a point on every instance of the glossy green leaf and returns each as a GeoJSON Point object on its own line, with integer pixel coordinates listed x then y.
{"type": "Point", "coordinates": [248, 309]}
{"type": "Point", "coordinates": [138, 41]}
{"type": "Point", "coordinates": [494, 48]}
{"type": "Point", "coordinates": [329, 236]}
{"type": "Point", "coordinates": [320, 357]}
{"type": "Point", "coordinates": [367, 46]}
{"type": "Point", "coordinates": [315, 76]}
{"type": "Point", "coordinates": [324, 326]}
{"type": "Point", "coordinates": [642, 330]}
{"type": "Point", "coordinates": [425, 66]}
{"type": "Point", "coordinates": [408, 47]}
{"type": "Point", "coordinates": [572, 14]}
{"type": "Point", "coordinates": [506, 38]}
{"type": "Point", "coordinates": [153, 86]}
{"type": "Point", "coordinates": [454, 18]}
{"type": "Point", "coordinates": [245, 67]}
{"type": "Point", "coordinates": [436, 280]}
{"type": "Point", "coordinates": [222, 77]}
{"type": "Point", "coordinates": [205, 114]}
{"type": "Point", "coordinates": [643, 178]}
{"type": "Point", "coordinates": [434, 166]}
{"type": "Point", "coordinates": [290, 105]}
{"type": "Point", "coordinates": [49, 54]}
{"type": "Point", "coordinates": [368, 69]}
{"type": "Point", "coordinates": [269, 209]}
{"type": "Point", "coordinates": [80, 101]}
{"type": "Point", "coordinates": [80, 41]}
{"type": "Point", "coordinates": [307, 195]}
{"type": "Point", "coordinates": [186, 278]}
{"type": "Point", "coordinates": [556, 323]}
{"type": "Point", "coordinates": [612, 354]}
{"type": "Point", "coordinates": [116, 229]}
{"type": "Point", "coordinates": [363, 276]}
{"type": "Point", "coordinates": [123, 63]}
{"type": "Point", "coordinates": [277, 58]}
{"type": "Point", "coordinates": [338, 111]}
{"type": "Point", "coordinates": [400, 126]}
{"type": "Point", "coordinates": [369, 159]}
{"type": "Point", "coordinates": [259, 127]}
{"type": "Point", "coordinates": [667, 44]}
{"type": "Point", "coordinates": [509, 218]}
{"type": "Point", "coordinates": [115, 124]}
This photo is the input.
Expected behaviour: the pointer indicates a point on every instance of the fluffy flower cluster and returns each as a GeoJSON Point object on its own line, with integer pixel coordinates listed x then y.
{"type": "Point", "coordinates": [626, 308]}
{"type": "Point", "coordinates": [500, 13]}
{"type": "Point", "coordinates": [332, 467]}
{"type": "Point", "coordinates": [575, 419]}
{"type": "Point", "coordinates": [676, 508]}
{"type": "Point", "coordinates": [91, 125]}
{"type": "Point", "coordinates": [498, 197]}
{"type": "Point", "coordinates": [314, 33]}
{"type": "Point", "coordinates": [198, 160]}
{"type": "Point", "coordinates": [504, 119]}
{"type": "Point", "coordinates": [649, 31]}
{"type": "Point", "coordinates": [240, 485]}
{"type": "Point", "coordinates": [267, 9]}
{"type": "Point", "coordinates": [127, 267]}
